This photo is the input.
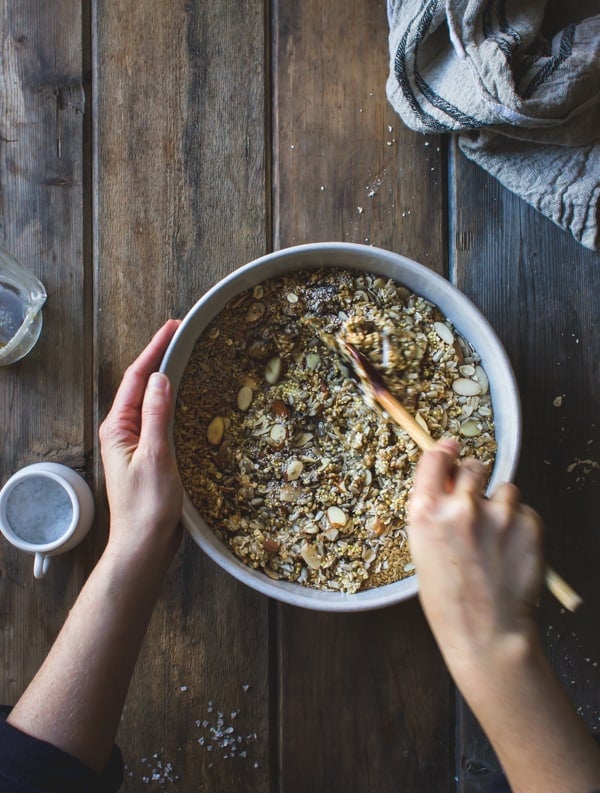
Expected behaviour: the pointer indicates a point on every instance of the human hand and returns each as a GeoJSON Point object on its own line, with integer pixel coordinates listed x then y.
{"type": "Point", "coordinates": [142, 481]}
{"type": "Point", "coordinates": [479, 560]}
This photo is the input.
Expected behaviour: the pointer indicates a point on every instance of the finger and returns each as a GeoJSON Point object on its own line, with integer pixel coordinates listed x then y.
{"type": "Point", "coordinates": [130, 393]}
{"type": "Point", "coordinates": [156, 413]}
{"type": "Point", "coordinates": [470, 477]}
{"type": "Point", "coordinates": [435, 468]}
{"type": "Point", "coordinates": [507, 494]}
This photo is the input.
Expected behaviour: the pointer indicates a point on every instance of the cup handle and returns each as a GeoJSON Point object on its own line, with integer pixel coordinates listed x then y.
{"type": "Point", "coordinates": [40, 565]}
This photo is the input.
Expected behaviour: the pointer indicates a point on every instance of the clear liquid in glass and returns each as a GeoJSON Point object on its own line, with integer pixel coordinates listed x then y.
{"type": "Point", "coordinates": [12, 313]}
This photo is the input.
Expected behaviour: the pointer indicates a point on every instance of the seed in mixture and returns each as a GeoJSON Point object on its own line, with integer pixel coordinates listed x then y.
{"type": "Point", "coordinates": [294, 472]}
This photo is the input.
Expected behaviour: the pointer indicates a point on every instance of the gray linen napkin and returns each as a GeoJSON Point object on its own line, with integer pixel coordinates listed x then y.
{"type": "Point", "coordinates": [526, 109]}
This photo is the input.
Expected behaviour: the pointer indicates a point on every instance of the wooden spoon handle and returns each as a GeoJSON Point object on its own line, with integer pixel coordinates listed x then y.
{"type": "Point", "coordinates": [404, 419]}
{"type": "Point", "coordinates": [564, 593]}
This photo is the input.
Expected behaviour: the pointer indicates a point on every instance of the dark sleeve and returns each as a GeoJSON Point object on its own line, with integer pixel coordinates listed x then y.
{"type": "Point", "coordinates": [28, 765]}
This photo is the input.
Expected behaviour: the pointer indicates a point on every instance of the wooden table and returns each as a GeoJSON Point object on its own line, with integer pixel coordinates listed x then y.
{"type": "Point", "coordinates": [149, 148]}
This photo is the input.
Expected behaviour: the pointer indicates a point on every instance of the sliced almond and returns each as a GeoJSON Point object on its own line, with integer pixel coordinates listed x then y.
{"type": "Point", "coordinates": [482, 379]}
{"type": "Point", "coordinates": [470, 428]}
{"type": "Point", "coordinates": [336, 517]}
{"type": "Point", "coordinates": [289, 493]}
{"type": "Point", "coordinates": [215, 430]}
{"type": "Point", "coordinates": [368, 555]}
{"type": "Point", "coordinates": [278, 434]}
{"type": "Point", "coordinates": [303, 439]}
{"type": "Point", "coordinates": [293, 470]}
{"type": "Point", "coordinates": [244, 397]}
{"type": "Point", "coordinates": [444, 332]}
{"type": "Point", "coordinates": [273, 370]}
{"type": "Point", "coordinates": [463, 386]}
{"type": "Point", "coordinates": [271, 573]}
{"type": "Point", "coordinates": [311, 556]}
{"type": "Point", "coordinates": [312, 360]}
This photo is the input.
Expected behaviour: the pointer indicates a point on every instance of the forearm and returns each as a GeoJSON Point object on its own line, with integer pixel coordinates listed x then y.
{"type": "Point", "coordinates": [538, 737]}
{"type": "Point", "coordinates": [76, 699]}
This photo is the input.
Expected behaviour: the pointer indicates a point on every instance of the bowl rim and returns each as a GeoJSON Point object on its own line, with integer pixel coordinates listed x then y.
{"type": "Point", "coordinates": [369, 257]}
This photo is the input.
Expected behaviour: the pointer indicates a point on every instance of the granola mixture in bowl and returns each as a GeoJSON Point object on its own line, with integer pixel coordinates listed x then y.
{"type": "Point", "coordinates": [294, 483]}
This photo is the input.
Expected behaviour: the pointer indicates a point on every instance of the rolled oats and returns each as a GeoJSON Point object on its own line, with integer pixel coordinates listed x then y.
{"type": "Point", "coordinates": [277, 447]}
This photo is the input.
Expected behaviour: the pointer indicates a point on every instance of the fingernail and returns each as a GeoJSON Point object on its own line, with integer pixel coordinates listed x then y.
{"type": "Point", "coordinates": [158, 381]}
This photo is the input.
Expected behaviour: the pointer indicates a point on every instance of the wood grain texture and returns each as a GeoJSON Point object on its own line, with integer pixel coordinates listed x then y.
{"type": "Point", "coordinates": [539, 289]}
{"type": "Point", "coordinates": [181, 200]}
{"type": "Point", "coordinates": [365, 703]}
{"type": "Point", "coordinates": [344, 166]}
{"type": "Point", "coordinates": [44, 398]}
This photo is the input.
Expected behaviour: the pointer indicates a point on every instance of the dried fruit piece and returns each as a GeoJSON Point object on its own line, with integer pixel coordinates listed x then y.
{"type": "Point", "coordinates": [279, 408]}
{"type": "Point", "coordinates": [215, 430]}
{"type": "Point", "coordinates": [270, 547]}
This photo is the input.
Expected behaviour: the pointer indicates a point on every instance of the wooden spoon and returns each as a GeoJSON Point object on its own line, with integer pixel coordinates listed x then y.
{"type": "Point", "coordinates": [375, 390]}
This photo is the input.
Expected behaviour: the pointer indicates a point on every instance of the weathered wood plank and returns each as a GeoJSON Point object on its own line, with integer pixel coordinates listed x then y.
{"type": "Point", "coordinates": [539, 289]}
{"type": "Point", "coordinates": [344, 166]}
{"type": "Point", "coordinates": [180, 186]}
{"type": "Point", "coordinates": [43, 398]}
{"type": "Point", "coordinates": [365, 702]}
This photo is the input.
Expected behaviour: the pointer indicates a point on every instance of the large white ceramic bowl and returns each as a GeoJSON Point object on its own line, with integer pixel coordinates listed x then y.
{"type": "Point", "coordinates": [459, 310]}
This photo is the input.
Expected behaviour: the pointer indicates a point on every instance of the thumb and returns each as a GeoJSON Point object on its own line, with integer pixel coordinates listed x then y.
{"type": "Point", "coordinates": [156, 412]}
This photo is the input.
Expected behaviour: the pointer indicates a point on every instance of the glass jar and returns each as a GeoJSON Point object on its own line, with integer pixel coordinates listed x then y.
{"type": "Point", "coordinates": [22, 296]}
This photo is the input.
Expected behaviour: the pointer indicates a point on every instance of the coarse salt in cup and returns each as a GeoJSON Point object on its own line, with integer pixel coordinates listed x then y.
{"type": "Point", "coordinates": [45, 509]}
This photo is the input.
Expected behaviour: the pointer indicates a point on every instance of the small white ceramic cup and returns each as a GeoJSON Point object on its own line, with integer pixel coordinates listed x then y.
{"type": "Point", "coordinates": [45, 509]}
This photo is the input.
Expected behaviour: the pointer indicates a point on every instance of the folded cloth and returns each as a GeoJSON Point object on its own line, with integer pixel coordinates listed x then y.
{"type": "Point", "coordinates": [526, 109]}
